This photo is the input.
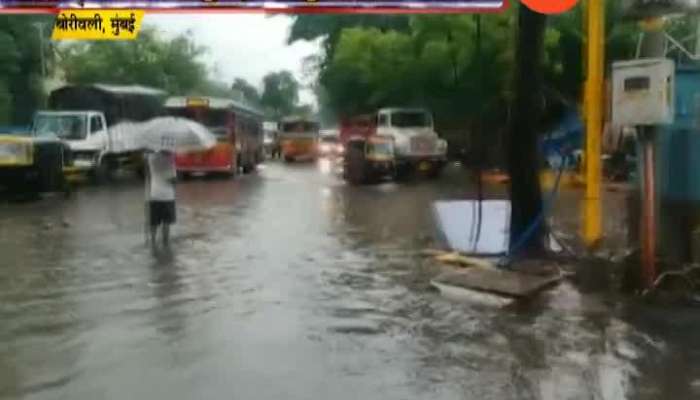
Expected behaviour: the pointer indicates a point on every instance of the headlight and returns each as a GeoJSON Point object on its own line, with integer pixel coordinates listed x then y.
{"type": "Point", "coordinates": [19, 153]}
{"type": "Point", "coordinates": [442, 146]}
{"type": "Point", "coordinates": [325, 147]}
{"type": "Point", "coordinates": [340, 149]}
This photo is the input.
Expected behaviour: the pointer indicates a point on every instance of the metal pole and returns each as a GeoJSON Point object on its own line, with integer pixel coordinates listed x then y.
{"type": "Point", "coordinates": [595, 24]}
{"type": "Point", "coordinates": [653, 46]}
{"type": "Point", "coordinates": [479, 132]}
{"type": "Point", "coordinates": [649, 209]}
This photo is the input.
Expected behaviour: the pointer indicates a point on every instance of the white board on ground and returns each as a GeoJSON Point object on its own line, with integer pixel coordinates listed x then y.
{"type": "Point", "coordinates": [457, 222]}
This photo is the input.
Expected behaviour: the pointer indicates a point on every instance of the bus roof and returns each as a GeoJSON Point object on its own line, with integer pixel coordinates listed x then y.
{"type": "Point", "coordinates": [213, 102]}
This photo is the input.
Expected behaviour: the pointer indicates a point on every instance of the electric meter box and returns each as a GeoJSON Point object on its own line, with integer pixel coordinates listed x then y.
{"type": "Point", "coordinates": [642, 92]}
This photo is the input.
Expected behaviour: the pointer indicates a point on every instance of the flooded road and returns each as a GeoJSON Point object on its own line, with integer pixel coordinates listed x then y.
{"type": "Point", "coordinates": [287, 284]}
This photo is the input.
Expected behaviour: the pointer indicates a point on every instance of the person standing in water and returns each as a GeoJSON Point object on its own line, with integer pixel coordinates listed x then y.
{"type": "Point", "coordinates": [160, 189]}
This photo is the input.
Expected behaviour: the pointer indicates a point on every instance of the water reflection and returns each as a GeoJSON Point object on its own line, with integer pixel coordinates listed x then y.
{"type": "Point", "coordinates": [167, 288]}
{"type": "Point", "coordinates": [290, 283]}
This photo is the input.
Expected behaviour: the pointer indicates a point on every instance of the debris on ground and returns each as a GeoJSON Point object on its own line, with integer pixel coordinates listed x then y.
{"type": "Point", "coordinates": [481, 280]}
{"type": "Point", "coordinates": [676, 286]}
{"type": "Point", "coordinates": [461, 260]}
{"type": "Point", "coordinates": [515, 284]}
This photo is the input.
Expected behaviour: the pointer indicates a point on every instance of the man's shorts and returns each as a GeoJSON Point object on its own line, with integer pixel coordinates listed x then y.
{"type": "Point", "coordinates": [162, 212]}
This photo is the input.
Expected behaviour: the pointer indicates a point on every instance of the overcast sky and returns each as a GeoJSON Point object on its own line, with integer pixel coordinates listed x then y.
{"type": "Point", "coordinates": [240, 45]}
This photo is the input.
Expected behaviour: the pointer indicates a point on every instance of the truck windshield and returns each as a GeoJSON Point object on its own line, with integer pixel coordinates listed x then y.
{"type": "Point", "coordinates": [66, 127]}
{"type": "Point", "coordinates": [410, 119]}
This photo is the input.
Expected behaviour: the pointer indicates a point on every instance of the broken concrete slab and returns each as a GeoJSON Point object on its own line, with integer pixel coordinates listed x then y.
{"type": "Point", "coordinates": [513, 284]}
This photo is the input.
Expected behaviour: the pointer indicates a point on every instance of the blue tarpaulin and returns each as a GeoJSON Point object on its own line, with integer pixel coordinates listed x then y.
{"type": "Point", "coordinates": [564, 138]}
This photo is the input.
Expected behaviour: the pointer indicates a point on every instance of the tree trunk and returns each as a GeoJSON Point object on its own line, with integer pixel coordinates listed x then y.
{"type": "Point", "coordinates": [522, 153]}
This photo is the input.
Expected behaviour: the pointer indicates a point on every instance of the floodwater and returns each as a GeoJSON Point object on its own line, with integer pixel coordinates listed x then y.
{"type": "Point", "coordinates": [288, 284]}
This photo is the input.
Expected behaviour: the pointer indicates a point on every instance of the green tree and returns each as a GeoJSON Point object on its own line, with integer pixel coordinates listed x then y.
{"type": "Point", "coordinates": [21, 89]}
{"type": "Point", "coordinates": [328, 28]}
{"type": "Point", "coordinates": [280, 93]}
{"type": "Point", "coordinates": [149, 60]}
{"type": "Point", "coordinates": [249, 91]}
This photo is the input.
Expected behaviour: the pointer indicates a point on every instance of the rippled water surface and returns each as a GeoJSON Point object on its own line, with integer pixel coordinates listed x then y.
{"type": "Point", "coordinates": [287, 284]}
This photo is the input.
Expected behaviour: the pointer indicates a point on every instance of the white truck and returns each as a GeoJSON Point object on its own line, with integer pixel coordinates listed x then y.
{"type": "Point", "coordinates": [98, 123]}
{"type": "Point", "coordinates": [417, 147]}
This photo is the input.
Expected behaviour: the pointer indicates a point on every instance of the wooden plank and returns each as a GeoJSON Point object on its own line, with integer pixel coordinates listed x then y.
{"type": "Point", "coordinates": [502, 282]}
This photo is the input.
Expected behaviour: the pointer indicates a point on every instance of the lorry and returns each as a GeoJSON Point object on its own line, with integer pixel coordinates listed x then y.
{"type": "Point", "coordinates": [394, 141]}
{"type": "Point", "coordinates": [32, 164]}
{"type": "Point", "coordinates": [96, 123]}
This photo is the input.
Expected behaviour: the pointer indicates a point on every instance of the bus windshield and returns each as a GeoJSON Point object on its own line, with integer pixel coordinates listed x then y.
{"type": "Point", "coordinates": [299, 127]}
{"type": "Point", "coordinates": [214, 119]}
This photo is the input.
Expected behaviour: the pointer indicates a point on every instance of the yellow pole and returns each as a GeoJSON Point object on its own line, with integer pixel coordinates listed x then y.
{"type": "Point", "coordinates": [593, 105]}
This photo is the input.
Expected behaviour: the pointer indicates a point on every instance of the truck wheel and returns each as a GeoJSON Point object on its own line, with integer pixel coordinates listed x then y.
{"type": "Point", "coordinates": [355, 168]}
{"type": "Point", "coordinates": [234, 165]}
{"type": "Point", "coordinates": [102, 173]}
{"type": "Point", "coordinates": [141, 172]}
{"type": "Point", "coordinates": [288, 159]}
{"type": "Point", "coordinates": [436, 171]}
{"type": "Point", "coordinates": [403, 172]}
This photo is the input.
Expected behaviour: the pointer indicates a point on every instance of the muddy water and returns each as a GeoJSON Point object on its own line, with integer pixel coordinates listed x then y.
{"type": "Point", "coordinates": [289, 284]}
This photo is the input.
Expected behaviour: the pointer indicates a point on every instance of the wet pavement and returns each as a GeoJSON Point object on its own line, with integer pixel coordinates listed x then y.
{"type": "Point", "coordinates": [288, 284]}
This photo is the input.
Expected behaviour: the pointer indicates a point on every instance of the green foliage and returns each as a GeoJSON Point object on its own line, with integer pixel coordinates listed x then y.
{"type": "Point", "coordinates": [250, 92]}
{"type": "Point", "coordinates": [280, 94]}
{"type": "Point", "coordinates": [20, 69]}
{"type": "Point", "coordinates": [150, 60]}
{"type": "Point", "coordinates": [431, 60]}
{"type": "Point", "coordinates": [329, 27]}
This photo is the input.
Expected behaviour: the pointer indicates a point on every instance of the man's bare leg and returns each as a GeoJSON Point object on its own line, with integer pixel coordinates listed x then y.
{"type": "Point", "coordinates": [166, 235]}
{"type": "Point", "coordinates": [154, 233]}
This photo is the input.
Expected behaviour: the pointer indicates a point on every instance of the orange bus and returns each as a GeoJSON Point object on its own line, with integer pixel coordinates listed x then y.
{"type": "Point", "coordinates": [299, 138]}
{"type": "Point", "coordinates": [238, 128]}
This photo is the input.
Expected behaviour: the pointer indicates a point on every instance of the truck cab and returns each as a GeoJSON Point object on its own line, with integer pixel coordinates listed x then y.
{"type": "Point", "coordinates": [85, 133]}
{"type": "Point", "coordinates": [416, 144]}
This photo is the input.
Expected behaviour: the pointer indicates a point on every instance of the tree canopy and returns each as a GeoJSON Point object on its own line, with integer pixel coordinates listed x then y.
{"type": "Point", "coordinates": [248, 90]}
{"type": "Point", "coordinates": [21, 89]}
{"type": "Point", "coordinates": [172, 65]}
{"type": "Point", "coordinates": [431, 60]}
{"type": "Point", "coordinates": [280, 95]}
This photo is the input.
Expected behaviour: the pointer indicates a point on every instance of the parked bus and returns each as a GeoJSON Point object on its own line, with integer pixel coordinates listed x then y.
{"type": "Point", "coordinates": [238, 128]}
{"type": "Point", "coordinates": [299, 139]}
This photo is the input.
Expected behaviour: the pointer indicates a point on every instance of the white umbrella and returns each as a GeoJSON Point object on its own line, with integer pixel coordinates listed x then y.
{"type": "Point", "coordinates": [179, 135]}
